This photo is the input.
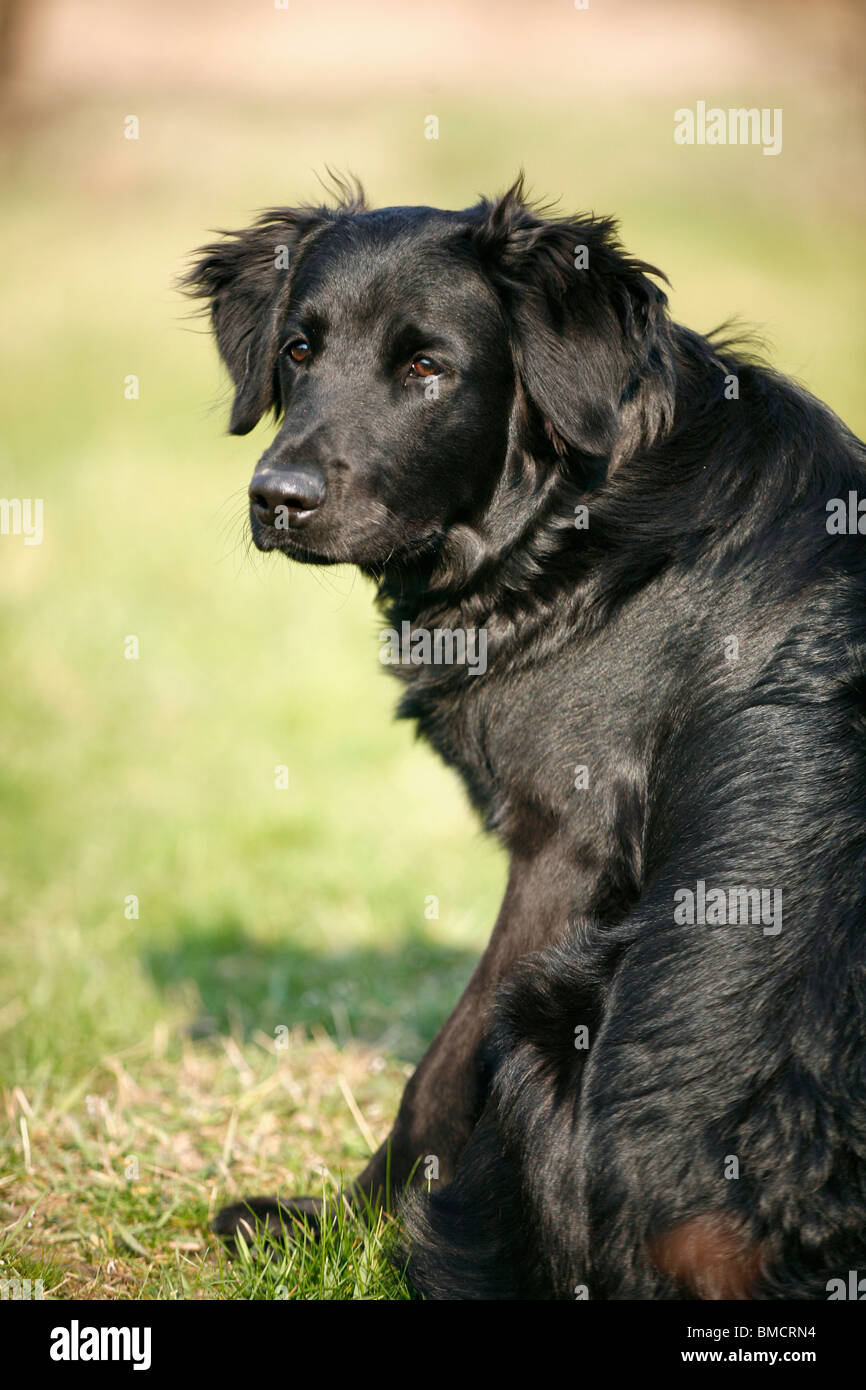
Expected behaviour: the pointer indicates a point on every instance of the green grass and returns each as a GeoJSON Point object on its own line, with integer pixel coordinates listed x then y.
{"type": "Point", "coordinates": [120, 1174]}
{"type": "Point", "coordinates": [141, 1081]}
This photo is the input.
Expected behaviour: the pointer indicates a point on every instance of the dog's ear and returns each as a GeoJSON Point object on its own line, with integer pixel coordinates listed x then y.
{"type": "Point", "coordinates": [591, 335]}
{"type": "Point", "coordinates": [245, 279]}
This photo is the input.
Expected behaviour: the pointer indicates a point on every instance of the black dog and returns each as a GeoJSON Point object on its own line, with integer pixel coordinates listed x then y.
{"type": "Point", "coordinates": [654, 1085]}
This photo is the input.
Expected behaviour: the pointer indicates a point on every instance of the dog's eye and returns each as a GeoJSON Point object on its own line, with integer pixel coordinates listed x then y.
{"type": "Point", "coordinates": [424, 366]}
{"type": "Point", "coordinates": [299, 350]}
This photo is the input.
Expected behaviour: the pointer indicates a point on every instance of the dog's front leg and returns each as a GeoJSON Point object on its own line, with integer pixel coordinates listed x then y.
{"type": "Point", "coordinates": [446, 1094]}
{"type": "Point", "coordinates": [442, 1102]}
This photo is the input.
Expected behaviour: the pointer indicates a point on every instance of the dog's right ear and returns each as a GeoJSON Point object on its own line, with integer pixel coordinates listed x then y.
{"type": "Point", "coordinates": [589, 328]}
{"type": "Point", "coordinates": [245, 278]}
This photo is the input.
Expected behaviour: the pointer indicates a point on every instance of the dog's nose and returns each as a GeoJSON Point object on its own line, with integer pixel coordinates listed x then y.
{"type": "Point", "coordinates": [300, 490]}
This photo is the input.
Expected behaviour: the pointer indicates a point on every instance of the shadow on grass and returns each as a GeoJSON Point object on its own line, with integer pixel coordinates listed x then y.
{"type": "Point", "coordinates": [402, 995]}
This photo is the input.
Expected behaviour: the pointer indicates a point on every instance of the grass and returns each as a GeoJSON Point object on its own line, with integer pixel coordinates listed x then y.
{"type": "Point", "coordinates": [122, 1173]}
{"type": "Point", "coordinates": [142, 1080]}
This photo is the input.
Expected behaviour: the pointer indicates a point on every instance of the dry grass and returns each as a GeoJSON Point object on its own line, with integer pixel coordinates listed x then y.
{"type": "Point", "coordinates": [108, 1188]}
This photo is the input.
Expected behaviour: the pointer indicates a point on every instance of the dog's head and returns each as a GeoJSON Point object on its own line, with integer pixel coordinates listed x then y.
{"type": "Point", "coordinates": [429, 369]}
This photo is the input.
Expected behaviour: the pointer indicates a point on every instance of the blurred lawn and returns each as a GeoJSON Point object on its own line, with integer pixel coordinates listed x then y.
{"type": "Point", "coordinates": [258, 907]}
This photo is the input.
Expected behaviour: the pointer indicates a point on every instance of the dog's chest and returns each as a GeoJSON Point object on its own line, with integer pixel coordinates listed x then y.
{"type": "Point", "coordinates": [541, 747]}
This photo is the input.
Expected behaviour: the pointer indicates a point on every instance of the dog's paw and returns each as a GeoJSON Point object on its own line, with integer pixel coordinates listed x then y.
{"type": "Point", "coordinates": [270, 1217]}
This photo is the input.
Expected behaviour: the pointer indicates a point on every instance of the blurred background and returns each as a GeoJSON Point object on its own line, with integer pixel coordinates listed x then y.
{"type": "Point", "coordinates": [167, 908]}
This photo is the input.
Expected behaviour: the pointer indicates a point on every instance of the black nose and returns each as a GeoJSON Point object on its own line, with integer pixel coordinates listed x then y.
{"type": "Point", "coordinates": [299, 490]}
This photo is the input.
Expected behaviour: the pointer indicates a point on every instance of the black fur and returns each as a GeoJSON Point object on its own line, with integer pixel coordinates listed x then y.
{"type": "Point", "coordinates": [606, 1169]}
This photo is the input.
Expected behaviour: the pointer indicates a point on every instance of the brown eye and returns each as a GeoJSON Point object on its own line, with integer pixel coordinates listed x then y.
{"type": "Point", "coordinates": [299, 351]}
{"type": "Point", "coordinates": [423, 366]}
